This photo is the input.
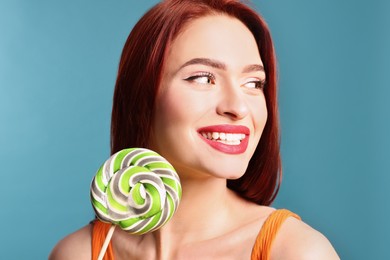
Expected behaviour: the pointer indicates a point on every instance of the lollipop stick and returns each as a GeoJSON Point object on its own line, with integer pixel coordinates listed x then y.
{"type": "Point", "coordinates": [106, 242]}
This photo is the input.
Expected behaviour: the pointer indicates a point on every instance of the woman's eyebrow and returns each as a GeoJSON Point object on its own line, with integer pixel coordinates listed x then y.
{"type": "Point", "coordinates": [220, 65]}
{"type": "Point", "coordinates": [205, 61]}
{"type": "Point", "coordinates": [253, 67]}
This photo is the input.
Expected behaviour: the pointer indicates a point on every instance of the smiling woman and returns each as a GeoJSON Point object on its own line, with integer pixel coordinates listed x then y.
{"type": "Point", "coordinates": [210, 88]}
{"type": "Point", "coordinates": [197, 84]}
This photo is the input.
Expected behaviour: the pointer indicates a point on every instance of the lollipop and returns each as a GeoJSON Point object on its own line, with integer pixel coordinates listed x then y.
{"type": "Point", "coordinates": [137, 190]}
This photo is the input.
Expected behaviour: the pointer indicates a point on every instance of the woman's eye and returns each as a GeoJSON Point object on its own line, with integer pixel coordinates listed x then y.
{"type": "Point", "coordinates": [255, 84]}
{"type": "Point", "coordinates": [203, 78]}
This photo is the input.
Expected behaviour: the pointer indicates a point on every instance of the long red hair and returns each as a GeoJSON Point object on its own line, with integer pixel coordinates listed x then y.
{"type": "Point", "coordinates": [139, 77]}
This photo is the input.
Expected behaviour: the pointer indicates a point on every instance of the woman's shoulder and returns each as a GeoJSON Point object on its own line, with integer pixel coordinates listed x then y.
{"type": "Point", "coordinates": [298, 240]}
{"type": "Point", "coordinates": [74, 246]}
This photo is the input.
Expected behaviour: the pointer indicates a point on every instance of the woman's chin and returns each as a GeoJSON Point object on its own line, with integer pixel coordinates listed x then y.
{"type": "Point", "coordinates": [229, 173]}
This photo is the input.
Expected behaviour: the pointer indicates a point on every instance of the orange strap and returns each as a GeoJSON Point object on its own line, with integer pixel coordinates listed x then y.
{"type": "Point", "coordinates": [99, 233]}
{"type": "Point", "coordinates": [262, 248]}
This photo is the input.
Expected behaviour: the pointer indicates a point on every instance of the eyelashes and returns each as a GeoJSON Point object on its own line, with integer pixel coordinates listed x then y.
{"type": "Point", "coordinates": [202, 78]}
{"type": "Point", "coordinates": [207, 78]}
{"type": "Point", "coordinates": [255, 84]}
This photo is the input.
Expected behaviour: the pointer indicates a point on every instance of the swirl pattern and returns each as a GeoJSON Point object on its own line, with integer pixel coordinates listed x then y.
{"type": "Point", "coordinates": [136, 189]}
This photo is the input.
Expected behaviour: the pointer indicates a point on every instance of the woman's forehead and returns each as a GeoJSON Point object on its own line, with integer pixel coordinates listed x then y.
{"type": "Point", "coordinates": [217, 37]}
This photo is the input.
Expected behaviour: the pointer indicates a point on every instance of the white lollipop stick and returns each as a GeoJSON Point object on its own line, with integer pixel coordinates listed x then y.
{"type": "Point", "coordinates": [106, 242]}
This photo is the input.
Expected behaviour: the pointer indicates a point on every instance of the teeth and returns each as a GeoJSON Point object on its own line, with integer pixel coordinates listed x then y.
{"type": "Point", "coordinates": [230, 137]}
{"type": "Point", "coordinates": [226, 138]}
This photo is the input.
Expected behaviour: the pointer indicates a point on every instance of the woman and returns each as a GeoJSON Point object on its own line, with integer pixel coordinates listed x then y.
{"type": "Point", "coordinates": [197, 84]}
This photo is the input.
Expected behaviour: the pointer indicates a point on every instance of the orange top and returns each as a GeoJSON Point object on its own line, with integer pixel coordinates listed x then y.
{"type": "Point", "coordinates": [99, 233]}
{"type": "Point", "coordinates": [261, 249]}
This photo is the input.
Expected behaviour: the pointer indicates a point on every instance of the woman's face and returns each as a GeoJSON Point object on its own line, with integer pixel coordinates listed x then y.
{"type": "Point", "coordinates": [210, 108]}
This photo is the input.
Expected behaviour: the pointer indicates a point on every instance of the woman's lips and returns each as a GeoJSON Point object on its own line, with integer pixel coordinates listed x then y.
{"type": "Point", "coordinates": [230, 139]}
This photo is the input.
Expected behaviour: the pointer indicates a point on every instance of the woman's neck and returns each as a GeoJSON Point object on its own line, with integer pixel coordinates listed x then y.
{"type": "Point", "coordinates": [208, 213]}
{"type": "Point", "coordinates": [203, 213]}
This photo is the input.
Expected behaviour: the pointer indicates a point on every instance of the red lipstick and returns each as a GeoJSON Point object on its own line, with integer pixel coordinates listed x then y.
{"type": "Point", "coordinates": [236, 148]}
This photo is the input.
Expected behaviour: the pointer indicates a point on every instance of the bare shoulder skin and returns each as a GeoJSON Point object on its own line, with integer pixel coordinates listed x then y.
{"type": "Point", "coordinates": [74, 246]}
{"type": "Point", "coordinates": [297, 240]}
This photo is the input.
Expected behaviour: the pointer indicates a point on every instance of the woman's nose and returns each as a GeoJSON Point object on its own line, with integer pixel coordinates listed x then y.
{"type": "Point", "coordinates": [232, 103]}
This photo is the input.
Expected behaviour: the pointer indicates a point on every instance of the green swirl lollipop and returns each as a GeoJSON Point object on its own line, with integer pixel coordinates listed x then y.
{"type": "Point", "coordinates": [137, 190]}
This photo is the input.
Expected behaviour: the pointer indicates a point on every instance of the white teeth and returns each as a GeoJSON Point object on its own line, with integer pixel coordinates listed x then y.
{"type": "Point", "coordinates": [226, 138]}
{"type": "Point", "coordinates": [229, 137]}
{"type": "Point", "coordinates": [235, 142]}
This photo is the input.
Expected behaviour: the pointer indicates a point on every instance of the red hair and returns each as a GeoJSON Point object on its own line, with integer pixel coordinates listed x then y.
{"type": "Point", "coordinates": [139, 77]}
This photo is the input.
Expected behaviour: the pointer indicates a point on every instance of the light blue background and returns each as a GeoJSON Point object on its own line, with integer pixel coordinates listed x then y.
{"type": "Point", "coordinates": [58, 61]}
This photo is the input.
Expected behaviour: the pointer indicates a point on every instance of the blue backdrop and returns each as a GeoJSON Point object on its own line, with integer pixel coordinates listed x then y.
{"type": "Point", "coordinates": [58, 61]}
